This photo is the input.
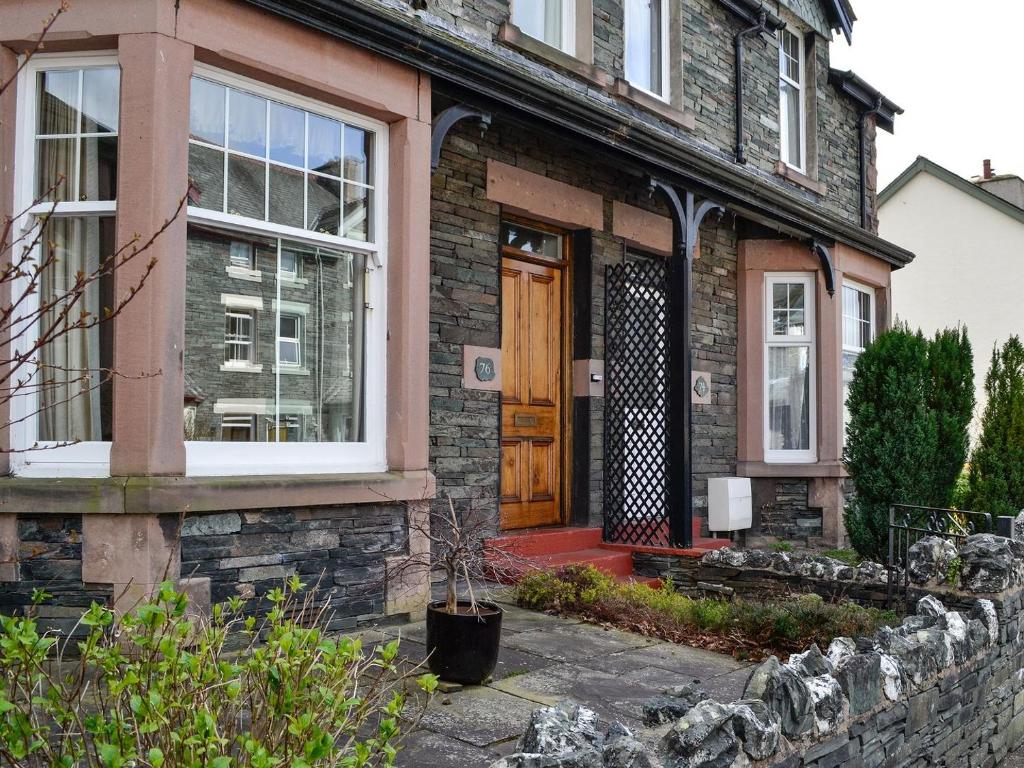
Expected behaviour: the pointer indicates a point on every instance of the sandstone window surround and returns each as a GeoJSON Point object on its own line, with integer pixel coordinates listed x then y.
{"type": "Point", "coordinates": [790, 387]}
{"type": "Point", "coordinates": [267, 162]}
{"type": "Point", "coordinates": [559, 31]}
{"type": "Point", "coordinates": [798, 109]}
{"type": "Point", "coordinates": [66, 149]}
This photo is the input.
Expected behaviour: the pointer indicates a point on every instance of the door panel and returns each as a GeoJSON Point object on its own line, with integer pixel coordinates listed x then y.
{"type": "Point", "coordinates": [531, 409]}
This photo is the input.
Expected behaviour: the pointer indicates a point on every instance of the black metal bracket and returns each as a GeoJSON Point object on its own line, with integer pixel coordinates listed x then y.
{"type": "Point", "coordinates": [687, 215]}
{"type": "Point", "coordinates": [825, 257]}
{"type": "Point", "coordinates": [444, 122]}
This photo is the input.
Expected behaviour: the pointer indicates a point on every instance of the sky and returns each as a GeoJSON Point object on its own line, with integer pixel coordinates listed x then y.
{"type": "Point", "coordinates": [956, 68]}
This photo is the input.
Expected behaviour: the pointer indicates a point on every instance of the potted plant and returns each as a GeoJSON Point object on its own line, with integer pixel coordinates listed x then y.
{"type": "Point", "coordinates": [463, 630]}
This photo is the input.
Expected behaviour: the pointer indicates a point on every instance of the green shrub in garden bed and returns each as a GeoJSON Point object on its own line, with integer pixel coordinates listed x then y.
{"type": "Point", "coordinates": [749, 630]}
{"type": "Point", "coordinates": [156, 687]}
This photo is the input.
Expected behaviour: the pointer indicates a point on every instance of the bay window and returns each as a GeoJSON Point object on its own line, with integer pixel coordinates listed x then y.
{"type": "Point", "coordinates": [66, 182]}
{"type": "Point", "coordinates": [789, 393]}
{"type": "Point", "coordinates": [550, 21]}
{"type": "Point", "coordinates": [646, 33]}
{"type": "Point", "coordinates": [292, 185]}
{"type": "Point", "coordinates": [792, 110]}
{"type": "Point", "coordinates": [858, 332]}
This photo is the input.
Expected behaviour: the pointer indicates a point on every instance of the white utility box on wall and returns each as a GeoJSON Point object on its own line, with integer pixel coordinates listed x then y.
{"type": "Point", "coordinates": [730, 506]}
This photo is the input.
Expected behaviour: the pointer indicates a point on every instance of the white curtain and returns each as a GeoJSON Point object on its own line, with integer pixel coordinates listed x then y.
{"type": "Point", "coordinates": [70, 377]}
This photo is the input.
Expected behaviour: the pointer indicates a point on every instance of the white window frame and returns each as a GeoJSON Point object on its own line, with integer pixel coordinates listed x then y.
{"type": "Point", "coordinates": [849, 348]}
{"type": "Point", "coordinates": [300, 327]}
{"type": "Point", "coordinates": [87, 458]}
{"type": "Point", "coordinates": [801, 101]}
{"type": "Point", "coordinates": [568, 42]}
{"type": "Point", "coordinates": [808, 279]}
{"type": "Point", "coordinates": [215, 458]}
{"type": "Point", "coordinates": [666, 86]}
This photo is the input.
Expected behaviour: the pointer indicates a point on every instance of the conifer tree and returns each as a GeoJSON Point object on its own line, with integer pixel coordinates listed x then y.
{"type": "Point", "coordinates": [951, 362]}
{"type": "Point", "coordinates": [996, 481]}
{"type": "Point", "coordinates": [892, 438]}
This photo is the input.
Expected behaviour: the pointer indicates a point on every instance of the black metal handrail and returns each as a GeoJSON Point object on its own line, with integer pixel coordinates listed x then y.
{"type": "Point", "coordinates": [909, 523]}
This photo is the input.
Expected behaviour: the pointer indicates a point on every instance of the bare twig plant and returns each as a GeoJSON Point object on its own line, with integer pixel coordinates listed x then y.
{"type": "Point", "coordinates": [31, 317]}
{"type": "Point", "coordinates": [462, 546]}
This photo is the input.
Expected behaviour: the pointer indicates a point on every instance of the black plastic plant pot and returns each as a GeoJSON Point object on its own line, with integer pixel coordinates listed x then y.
{"type": "Point", "coordinates": [463, 647]}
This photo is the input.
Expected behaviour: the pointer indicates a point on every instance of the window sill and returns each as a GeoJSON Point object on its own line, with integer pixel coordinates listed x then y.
{"type": "Point", "coordinates": [287, 370]}
{"type": "Point", "coordinates": [173, 495]}
{"type": "Point", "coordinates": [772, 469]}
{"type": "Point", "coordinates": [241, 273]}
{"type": "Point", "coordinates": [294, 282]}
{"type": "Point", "coordinates": [514, 37]}
{"type": "Point", "coordinates": [241, 368]}
{"type": "Point", "coordinates": [653, 104]}
{"type": "Point", "coordinates": [794, 176]}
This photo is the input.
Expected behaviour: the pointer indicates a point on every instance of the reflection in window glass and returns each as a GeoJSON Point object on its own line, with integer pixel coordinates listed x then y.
{"type": "Point", "coordinates": [645, 47]}
{"type": "Point", "coordinates": [296, 178]}
{"type": "Point", "coordinates": [789, 398]}
{"type": "Point", "coordinates": [531, 240]}
{"type": "Point", "coordinates": [76, 134]}
{"type": "Point", "coordinates": [313, 329]}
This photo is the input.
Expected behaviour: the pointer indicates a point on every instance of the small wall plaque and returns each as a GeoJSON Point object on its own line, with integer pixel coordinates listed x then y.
{"type": "Point", "coordinates": [525, 420]}
{"type": "Point", "coordinates": [484, 368]}
{"type": "Point", "coordinates": [481, 368]}
{"type": "Point", "coordinates": [701, 388]}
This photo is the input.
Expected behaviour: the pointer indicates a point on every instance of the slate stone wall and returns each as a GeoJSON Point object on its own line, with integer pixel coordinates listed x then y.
{"type": "Point", "coordinates": [465, 309]}
{"type": "Point", "coordinates": [782, 508]}
{"type": "Point", "coordinates": [342, 549]}
{"type": "Point", "coordinates": [50, 559]}
{"type": "Point", "coordinates": [708, 87]}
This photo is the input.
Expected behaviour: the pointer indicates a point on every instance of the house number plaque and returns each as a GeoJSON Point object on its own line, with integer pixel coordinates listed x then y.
{"type": "Point", "coordinates": [525, 420]}
{"type": "Point", "coordinates": [484, 368]}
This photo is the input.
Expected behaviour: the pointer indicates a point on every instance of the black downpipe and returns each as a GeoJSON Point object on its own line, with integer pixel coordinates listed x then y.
{"type": "Point", "coordinates": [865, 212]}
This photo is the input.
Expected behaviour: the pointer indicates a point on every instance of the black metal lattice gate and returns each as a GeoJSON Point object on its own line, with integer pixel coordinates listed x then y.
{"type": "Point", "coordinates": [636, 418]}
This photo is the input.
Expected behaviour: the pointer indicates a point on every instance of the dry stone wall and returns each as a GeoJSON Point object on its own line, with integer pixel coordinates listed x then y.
{"type": "Point", "coordinates": [944, 688]}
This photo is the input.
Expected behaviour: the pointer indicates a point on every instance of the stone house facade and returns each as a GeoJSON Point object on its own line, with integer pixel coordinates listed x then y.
{"type": "Point", "coordinates": [407, 231]}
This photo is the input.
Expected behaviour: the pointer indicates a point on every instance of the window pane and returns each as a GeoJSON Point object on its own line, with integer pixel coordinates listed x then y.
{"type": "Point", "coordinates": [320, 397]}
{"type": "Point", "coordinates": [101, 91]}
{"type": "Point", "coordinates": [98, 169]}
{"type": "Point", "coordinates": [796, 323]}
{"type": "Point", "coordinates": [323, 203]}
{"type": "Point", "coordinates": [286, 196]}
{"type": "Point", "coordinates": [206, 111]}
{"type": "Point", "coordinates": [357, 212]}
{"type": "Point", "coordinates": [643, 44]}
{"type": "Point", "coordinates": [290, 263]}
{"type": "Point", "coordinates": [553, 23]}
{"type": "Point", "coordinates": [55, 169]}
{"type": "Point", "coordinates": [74, 388]}
{"type": "Point", "coordinates": [849, 361]}
{"type": "Point", "coordinates": [789, 399]}
{"type": "Point", "coordinates": [206, 177]}
{"type": "Point", "coordinates": [247, 187]}
{"type": "Point", "coordinates": [791, 124]}
{"type": "Point", "coordinates": [780, 295]}
{"type": "Point", "coordinates": [57, 102]}
{"type": "Point", "coordinates": [241, 255]}
{"type": "Point", "coordinates": [247, 123]}
{"type": "Point", "coordinates": [532, 240]}
{"type": "Point", "coordinates": [529, 17]}
{"type": "Point", "coordinates": [287, 134]}
{"type": "Point", "coordinates": [358, 155]}
{"type": "Point", "coordinates": [796, 295]}
{"type": "Point", "coordinates": [324, 145]}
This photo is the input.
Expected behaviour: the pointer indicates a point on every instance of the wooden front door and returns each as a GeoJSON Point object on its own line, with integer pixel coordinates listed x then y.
{"type": "Point", "coordinates": [532, 393]}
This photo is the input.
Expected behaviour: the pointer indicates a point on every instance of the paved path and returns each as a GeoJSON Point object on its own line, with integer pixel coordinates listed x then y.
{"type": "Point", "coordinates": [546, 659]}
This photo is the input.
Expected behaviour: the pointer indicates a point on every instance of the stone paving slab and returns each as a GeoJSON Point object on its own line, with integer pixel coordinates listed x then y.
{"type": "Point", "coordinates": [480, 716]}
{"type": "Point", "coordinates": [572, 642]}
{"type": "Point", "coordinates": [543, 660]}
{"type": "Point", "coordinates": [680, 659]}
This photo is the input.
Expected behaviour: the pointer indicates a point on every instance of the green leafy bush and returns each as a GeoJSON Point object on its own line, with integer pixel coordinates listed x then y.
{"type": "Point", "coordinates": [848, 556]}
{"type": "Point", "coordinates": [996, 480]}
{"type": "Point", "coordinates": [156, 687]}
{"type": "Point", "coordinates": [745, 628]}
{"type": "Point", "coordinates": [910, 404]}
{"type": "Point", "coordinates": [782, 546]}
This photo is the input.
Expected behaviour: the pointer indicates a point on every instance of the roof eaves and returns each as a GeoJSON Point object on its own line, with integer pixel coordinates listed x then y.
{"type": "Point", "coordinates": [924, 165]}
{"type": "Point", "coordinates": [869, 97]}
{"type": "Point", "coordinates": [841, 16]}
